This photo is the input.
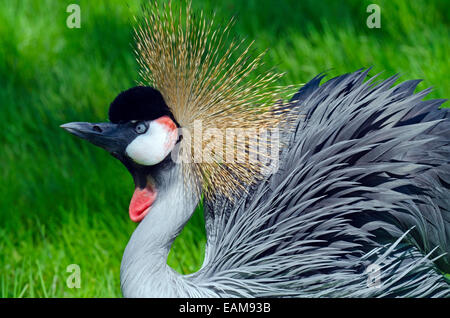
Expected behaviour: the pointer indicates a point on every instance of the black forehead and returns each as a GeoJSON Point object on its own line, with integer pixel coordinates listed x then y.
{"type": "Point", "coordinates": [138, 103]}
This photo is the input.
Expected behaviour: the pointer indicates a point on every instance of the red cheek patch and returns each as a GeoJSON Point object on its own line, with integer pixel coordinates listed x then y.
{"type": "Point", "coordinates": [167, 122]}
{"type": "Point", "coordinates": [141, 203]}
{"type": "Point", "coordinates": [170, 126]}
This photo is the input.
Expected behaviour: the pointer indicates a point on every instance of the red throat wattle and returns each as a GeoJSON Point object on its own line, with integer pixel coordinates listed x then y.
{"type": "Point", "coordinates": [141, 203]}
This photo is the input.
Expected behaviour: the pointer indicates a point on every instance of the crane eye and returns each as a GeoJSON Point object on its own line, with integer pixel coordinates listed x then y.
{"type": "Point", "coordinates": [140, 128]}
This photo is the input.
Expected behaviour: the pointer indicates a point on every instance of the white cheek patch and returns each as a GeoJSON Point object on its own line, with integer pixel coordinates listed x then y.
{"type": "Point", "coordinates": [152, 147]}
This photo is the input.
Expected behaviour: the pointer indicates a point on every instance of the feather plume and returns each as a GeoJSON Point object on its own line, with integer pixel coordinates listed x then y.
{"type": "Point", "coordinates": [209, 78]}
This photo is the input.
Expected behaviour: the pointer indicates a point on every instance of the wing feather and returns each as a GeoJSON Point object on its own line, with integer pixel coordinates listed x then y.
{"type": "Point", "coordinates": [364, 180]}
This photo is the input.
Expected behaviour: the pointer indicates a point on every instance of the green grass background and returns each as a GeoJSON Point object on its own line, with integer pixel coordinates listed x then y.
{"type": "Point", "coordinates": [63, 201]}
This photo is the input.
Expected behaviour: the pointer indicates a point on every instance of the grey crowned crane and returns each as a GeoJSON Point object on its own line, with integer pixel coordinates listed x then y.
{"type": "Point", "coordinates": [359, 205]}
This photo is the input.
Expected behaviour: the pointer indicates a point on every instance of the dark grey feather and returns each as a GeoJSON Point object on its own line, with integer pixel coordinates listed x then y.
{"type": "Point", "coordinates": [364, 180]}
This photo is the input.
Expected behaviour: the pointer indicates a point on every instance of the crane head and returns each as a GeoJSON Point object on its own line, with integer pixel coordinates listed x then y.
{"type": "Point", "coordinates": [142, 132]}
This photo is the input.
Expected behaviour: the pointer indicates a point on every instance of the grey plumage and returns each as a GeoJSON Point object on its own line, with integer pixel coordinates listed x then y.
{"type": "Point", "coordinates": [365, 179]}
{"type": "Point", "coordinates": [358, 208]}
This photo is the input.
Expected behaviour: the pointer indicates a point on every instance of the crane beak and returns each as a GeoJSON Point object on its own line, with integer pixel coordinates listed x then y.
{"type": "Point", "coordinates": [109, 136]}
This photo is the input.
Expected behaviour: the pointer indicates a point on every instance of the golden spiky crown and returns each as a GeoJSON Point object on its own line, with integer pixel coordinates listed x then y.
{"type": "Point", "coordinates": [208, 78]}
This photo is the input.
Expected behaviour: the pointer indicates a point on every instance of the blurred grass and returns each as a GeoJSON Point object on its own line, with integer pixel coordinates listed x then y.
{"type": "Point", "coordinates": [64, 201]}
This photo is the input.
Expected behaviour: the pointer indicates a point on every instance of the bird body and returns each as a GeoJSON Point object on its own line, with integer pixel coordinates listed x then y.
{"type": "Point", "coordinates": [360, 203]}
{"type": "Point", "coordinates": [340, 203]}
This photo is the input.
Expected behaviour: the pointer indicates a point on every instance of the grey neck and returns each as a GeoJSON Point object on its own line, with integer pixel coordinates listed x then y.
{"type": "Point", "coordinates": [144, 271]}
